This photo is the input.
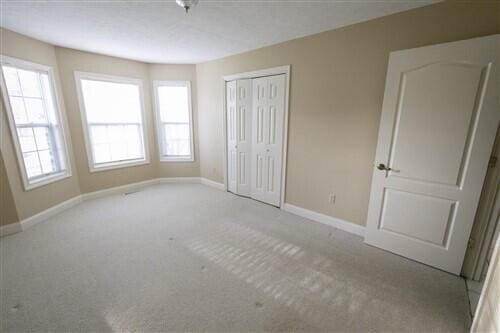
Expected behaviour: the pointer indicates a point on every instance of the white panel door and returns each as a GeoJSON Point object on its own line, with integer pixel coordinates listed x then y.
{"type": "Point", "coordinates": [267, 128]}
{"type": "Point", "coordinates": [439, 118]}
{"type": "Point", "coordinates": [232, 148]}
{"type": "Point", "coordinates": [243, 135]}
{"type": "Point", "coordinates": [239, 134]}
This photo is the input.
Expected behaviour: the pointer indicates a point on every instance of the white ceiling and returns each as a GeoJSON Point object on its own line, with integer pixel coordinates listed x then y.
{"type": "Point", "coordinates": [159, 31]}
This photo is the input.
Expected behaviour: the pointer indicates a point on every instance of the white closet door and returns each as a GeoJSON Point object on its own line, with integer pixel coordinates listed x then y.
{"type": "Point", "coordinates": [232, 148]}
{"type": "Point", "coordinates": [239, 132]}
{"type": "Point", "coordinates": [267, 138]}
{"type": "Point", "coordinates": [243, 135]}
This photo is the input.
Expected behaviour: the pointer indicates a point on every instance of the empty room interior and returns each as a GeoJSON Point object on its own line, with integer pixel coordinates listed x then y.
{"type": "Point", "coordinates": [249, 166]}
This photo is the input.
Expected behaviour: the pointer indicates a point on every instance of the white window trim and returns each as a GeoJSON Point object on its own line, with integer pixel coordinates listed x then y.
{"type": "Point", "coordinates": [115, 79]}
{"type": "Point", "coordinates": [45, 180]}
{"type": "Point", "coordinates": [159, 127]}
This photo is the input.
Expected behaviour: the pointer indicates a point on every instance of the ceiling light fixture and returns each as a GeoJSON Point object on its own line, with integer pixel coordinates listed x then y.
{"type": "Point", "coordinates": [186, 4]}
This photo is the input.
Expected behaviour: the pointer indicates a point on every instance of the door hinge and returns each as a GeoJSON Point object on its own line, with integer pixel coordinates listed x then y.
{"type": "Point", "coordinates": [493, 161]}
{"type": "Point", "coordinates": [470, 244]}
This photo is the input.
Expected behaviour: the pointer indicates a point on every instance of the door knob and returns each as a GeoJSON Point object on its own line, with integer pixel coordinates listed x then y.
{"type": "Point", "coordinates": [267, 150]}
{"type": "Point", "coordinates": [382, 166]}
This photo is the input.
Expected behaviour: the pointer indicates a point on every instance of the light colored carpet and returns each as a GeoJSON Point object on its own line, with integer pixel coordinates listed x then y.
{"type": "Point", "coordinates": [185, 257]}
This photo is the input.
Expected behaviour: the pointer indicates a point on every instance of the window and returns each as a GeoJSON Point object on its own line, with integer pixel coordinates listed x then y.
{"type": "Point", "coordinates": [34, 118]}
{"type": "Point", "coordinates": [174, 120]}
{"type": "Point", "coordinates": [113, 117]}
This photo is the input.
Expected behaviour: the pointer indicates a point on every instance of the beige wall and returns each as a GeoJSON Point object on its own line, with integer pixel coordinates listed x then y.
{"type": "Point", "coordinates": [337, 86]}
{"type": "Point", "coordinates": [31, 202]}
{"type": "Point", "coordinates": [8, 211]}
{"type": "Point", "coordinates": [180, 73]}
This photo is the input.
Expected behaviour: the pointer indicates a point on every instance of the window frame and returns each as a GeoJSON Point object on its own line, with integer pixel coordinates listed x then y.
{"type": "Point", "coordinates": [79, 76]}
{"type": "Point", "coordinates": [49, 70]}
{"type": "Point", "coordinates": [159, 123]}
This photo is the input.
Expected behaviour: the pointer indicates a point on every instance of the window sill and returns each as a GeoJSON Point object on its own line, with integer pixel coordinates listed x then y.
{"type": "Point", "coordinates": [46, 180]}
{"type": "Point", "coordinates": [117, 165]}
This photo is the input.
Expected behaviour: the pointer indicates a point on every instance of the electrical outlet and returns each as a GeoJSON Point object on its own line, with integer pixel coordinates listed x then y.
{"type": "Point", "coordinates": [331, 198]}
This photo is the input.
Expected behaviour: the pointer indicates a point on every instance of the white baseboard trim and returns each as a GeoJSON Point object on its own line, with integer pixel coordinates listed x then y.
{"type": "Point", "coordinates": [119, 189]}
{"type": "Point", "coordinates": [49, 212]}
{"type": "Point", "coordinates": [211, 183]}
{"type": "Point", "coordinates": [37, 218]}
{"type": "Point", "coordinates": [10, 229]}
{"type": "Point", "coordinates": [325, 219]}
{"type": "Point", "coordinates": [54, 210]}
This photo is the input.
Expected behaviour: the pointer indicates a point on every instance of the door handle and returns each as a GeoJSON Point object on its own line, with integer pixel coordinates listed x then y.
{"type": "Point", "coordinates": [267, 150]}
{"type": "Point", "coordinates": [382, 166]}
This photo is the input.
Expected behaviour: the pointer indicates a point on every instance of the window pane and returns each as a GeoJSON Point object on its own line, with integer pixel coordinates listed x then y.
{"type": "Point", "coordinates": [49, 100]}
{"type": "Point", "coordinates": [12, 80]}
{"type": "Point", "coordinates": [48, 163]}
{"type": "Point", "coordinates": [173, 103]}
{"type": "Point", "coordinates": [113, 112]}
{"type": "Point", "coordinates": [18, 110]}
{"type": "Point", "coordinates": [112, 143]}
{"type": "Point", "coordinates": [32, 164]}
{"type": "Point", "coordinates": [99, 134]}
{"type": "Point", "coordinates": [109, 102]}
{"type": "Point", "coordinates": [102, 153]}
{"type": "Point", "coordinates": [36, 111]}
{"type": "Point", "coordinates": [26, 140]}
{"type": "Point", "coordinates": [42, 137]}
{"type": "Point", "coordinates": [30, 84]}
{"type": "Point", "coordinates": [178, 142]}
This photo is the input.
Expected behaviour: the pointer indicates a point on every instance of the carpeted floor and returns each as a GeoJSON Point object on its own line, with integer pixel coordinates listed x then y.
{"type": "Point", "coordinates": [186, 257]}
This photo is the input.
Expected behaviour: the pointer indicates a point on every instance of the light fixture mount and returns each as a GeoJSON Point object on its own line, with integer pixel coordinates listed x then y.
{"type": "Point", "coordinates": [186, 4]}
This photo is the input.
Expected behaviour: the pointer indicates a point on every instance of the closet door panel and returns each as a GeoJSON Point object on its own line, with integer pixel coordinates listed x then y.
{"type": "Point", "coordinates": [232, 151]}
{"type": "Point", "coordinates": [244, 135]}
{"type": "Point", "coordinates": [267, 147]}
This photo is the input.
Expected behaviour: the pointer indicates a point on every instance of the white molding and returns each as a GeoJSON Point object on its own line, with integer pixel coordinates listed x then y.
{"type": "Point", "coordinates": [211, 183]}
{"type": "Point", "coordinates": [54, 210]}
{"type": "Point", "coordinates": [10, 229]}
{"type": "Point", "coordinates": [119, 189]}
{"type": "Point", "coordinates": [286, 70]}
{"type": "Point", "coordinates": [325, 219]}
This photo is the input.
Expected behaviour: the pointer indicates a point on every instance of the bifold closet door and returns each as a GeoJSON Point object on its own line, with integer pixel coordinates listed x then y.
{"type": "Point", "coordinates": [239, 131]}
{"type": "Point", "coordinates": [267, 138]}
